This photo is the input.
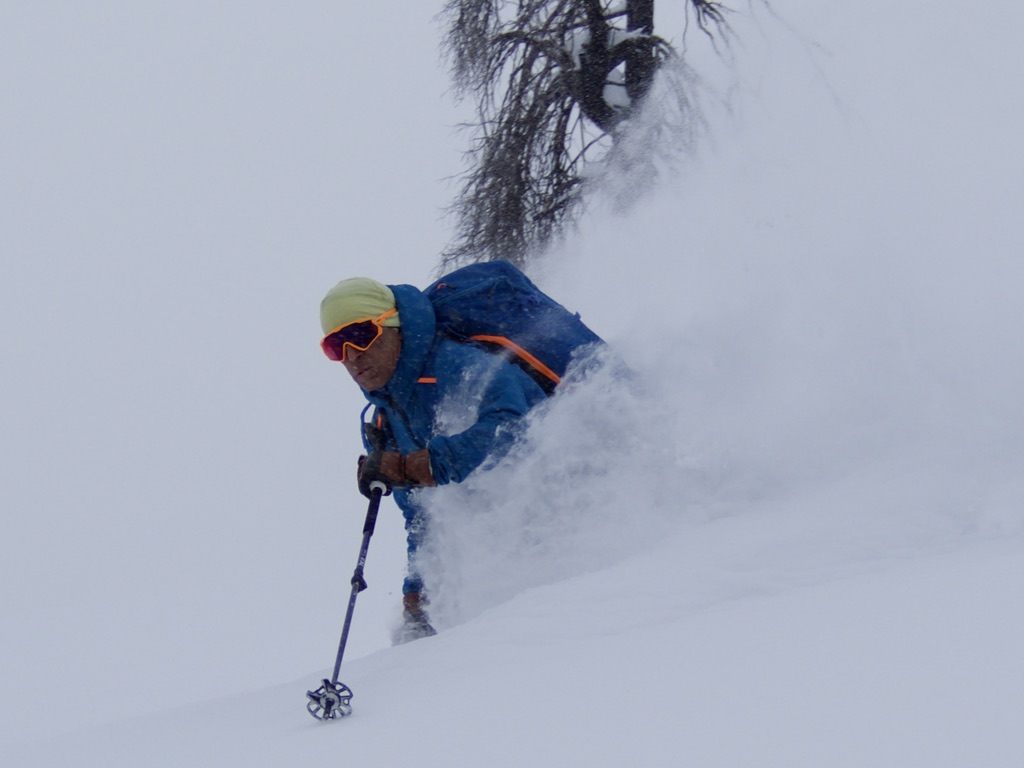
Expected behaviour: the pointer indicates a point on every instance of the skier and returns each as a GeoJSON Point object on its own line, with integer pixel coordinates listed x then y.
{"type": "Point", "coordinates": [440, 407]}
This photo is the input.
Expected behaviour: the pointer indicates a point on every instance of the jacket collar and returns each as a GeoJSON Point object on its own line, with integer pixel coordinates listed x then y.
{"type": "Point", "coordinates": [418, 328]}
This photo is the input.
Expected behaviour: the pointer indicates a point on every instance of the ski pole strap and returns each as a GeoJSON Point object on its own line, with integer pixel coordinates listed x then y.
{"type": "Point", "coordinates": [375, 434]}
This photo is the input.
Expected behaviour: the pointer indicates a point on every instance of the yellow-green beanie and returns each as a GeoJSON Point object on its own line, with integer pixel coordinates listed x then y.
{"type": "Point", "coordinates": [356, 299]}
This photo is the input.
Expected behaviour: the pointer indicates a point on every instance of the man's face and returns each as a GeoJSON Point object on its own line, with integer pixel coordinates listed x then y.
{"type": "Point", "coordinates": [372, 369]}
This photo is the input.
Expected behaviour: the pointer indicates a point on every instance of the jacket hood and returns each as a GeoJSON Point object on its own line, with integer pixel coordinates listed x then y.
{"type": "Point", "coordinates": [418, 328]}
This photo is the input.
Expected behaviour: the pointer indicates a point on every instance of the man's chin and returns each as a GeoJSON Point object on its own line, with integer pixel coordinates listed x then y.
{"type": "Point", "coordinates": [369, 382]}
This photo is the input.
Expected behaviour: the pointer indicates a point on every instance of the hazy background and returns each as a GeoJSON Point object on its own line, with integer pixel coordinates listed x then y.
{"type": "Point", "coordinates": [824, 307]}
{"type": "Point", "coordinates": [182, 182]}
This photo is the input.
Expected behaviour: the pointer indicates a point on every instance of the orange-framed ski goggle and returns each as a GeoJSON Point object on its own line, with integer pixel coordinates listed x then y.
{"type": "Point", "coordinates": [359, 334]}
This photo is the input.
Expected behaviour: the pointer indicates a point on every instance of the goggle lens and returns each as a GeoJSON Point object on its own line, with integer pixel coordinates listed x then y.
{"type": "Point", "coordinates": [360, 335]}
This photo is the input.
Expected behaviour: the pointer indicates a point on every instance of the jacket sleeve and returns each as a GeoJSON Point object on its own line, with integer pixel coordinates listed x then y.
{"type": "Point", "coordinates": [503, 395]}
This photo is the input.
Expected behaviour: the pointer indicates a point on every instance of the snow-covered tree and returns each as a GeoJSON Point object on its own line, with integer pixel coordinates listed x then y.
{"type": "Point", "coordinates": [553, 82]}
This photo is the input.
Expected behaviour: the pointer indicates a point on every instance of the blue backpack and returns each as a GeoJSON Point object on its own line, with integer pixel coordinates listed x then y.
{"type": "Point", "coordinates": [494, 304]}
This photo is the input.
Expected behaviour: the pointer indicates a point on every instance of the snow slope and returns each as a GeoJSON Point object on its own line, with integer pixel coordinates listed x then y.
{"type": "Point", "coordinates": [794, 539]}
{"type": "Point", "coordinates": [908, 662]}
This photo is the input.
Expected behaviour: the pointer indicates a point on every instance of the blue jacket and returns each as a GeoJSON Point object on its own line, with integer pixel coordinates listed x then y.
{"type": "Point", "coordinates": [455, 399]}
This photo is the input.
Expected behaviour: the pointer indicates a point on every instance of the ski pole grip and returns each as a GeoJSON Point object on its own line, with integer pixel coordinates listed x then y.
{"type": "Point", "coordinates": [377, 488]}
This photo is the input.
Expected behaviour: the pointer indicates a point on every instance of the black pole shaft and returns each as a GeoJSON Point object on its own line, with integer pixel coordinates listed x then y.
{"type": "Point", "coordinates": [358, 583]}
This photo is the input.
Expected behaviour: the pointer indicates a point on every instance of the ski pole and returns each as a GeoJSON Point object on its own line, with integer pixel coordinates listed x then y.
{"type": "Point", "coordinates": [332, 699]}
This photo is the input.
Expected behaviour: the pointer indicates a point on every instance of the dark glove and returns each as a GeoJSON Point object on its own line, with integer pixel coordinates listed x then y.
{"type": "Point", "coordinates": [395, 470]}
{"type": "Point", "coordinates": [369, 472]}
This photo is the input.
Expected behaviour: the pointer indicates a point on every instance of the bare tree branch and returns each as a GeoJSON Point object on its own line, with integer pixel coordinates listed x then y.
{"type": "Point", "coordinates": [552, 81]}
